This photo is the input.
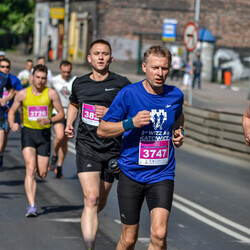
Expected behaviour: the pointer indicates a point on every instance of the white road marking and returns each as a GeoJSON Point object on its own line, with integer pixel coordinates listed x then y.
{"type": "Point", "coordinates": [74, 220]}
{"type": "Point", "coordinates": [188, 211]}
{"type": "Point", "coordinates": [72, 150]}
{"type": "Point", "coordinates": [71, 147]}
{"type": "Point", "coordinates": [144, 240]}
{"type": "Point", "coordinates": [209, 222]}
{"type": "Point", "coordinates": [212, 214]}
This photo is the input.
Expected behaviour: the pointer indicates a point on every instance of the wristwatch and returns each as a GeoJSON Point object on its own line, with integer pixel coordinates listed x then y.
{"type": "Point", "coordinates": [182, 130]}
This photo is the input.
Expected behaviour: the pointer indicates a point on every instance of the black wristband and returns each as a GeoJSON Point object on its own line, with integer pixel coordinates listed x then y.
{"type": "Point", "coordinates": [50, 121]}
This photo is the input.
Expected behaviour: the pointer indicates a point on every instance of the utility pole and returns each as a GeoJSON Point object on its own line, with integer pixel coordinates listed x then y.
{"type": "Point", "coordinates": [197, 18]}
{"type": "Point", "coordinates": [66, 30]}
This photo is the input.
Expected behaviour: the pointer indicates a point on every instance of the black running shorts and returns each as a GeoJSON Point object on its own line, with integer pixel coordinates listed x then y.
{"type": "Point", "coordinates": [131, 196]}
{"type": "Point", "coordinates": [4, 125]}
{"type": "Point", "coordinates": [64, 121]}
{"type": "Point", "coordinates": [38, 139]}
{"type": "Point", "coordinates": [89, 160]}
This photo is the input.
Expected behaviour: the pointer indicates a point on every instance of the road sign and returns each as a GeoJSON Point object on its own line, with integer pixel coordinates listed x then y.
{"type": "Point", "coordinates": [190, 36]}
{"type": "Point", "coordinates": [58, 13]}
{"type": "Point", "coordinates": [169, 30]}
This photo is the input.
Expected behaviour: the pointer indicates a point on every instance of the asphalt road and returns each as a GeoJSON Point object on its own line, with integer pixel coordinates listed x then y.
{"type": "Point", "coordinates": [210, 209]}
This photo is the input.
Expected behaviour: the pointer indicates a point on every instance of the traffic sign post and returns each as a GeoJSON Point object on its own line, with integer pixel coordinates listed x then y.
{"type": "Point", "coordinates": [190, 36]}
{"type": "Point", "coordinates": [190, 40]}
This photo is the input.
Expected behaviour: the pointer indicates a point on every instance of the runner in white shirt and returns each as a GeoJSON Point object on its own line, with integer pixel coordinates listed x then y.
{"type": "Point", "coordinates": [24, 75]}
{"type": "Point", "coordinates": [41, 60]}
{"type": "Point", "coordinates": [176, 66]}
{"type": "Point", "coordinates": [62, 83]}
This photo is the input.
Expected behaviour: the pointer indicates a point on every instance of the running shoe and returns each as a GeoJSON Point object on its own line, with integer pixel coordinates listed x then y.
{"type": "Point", "coordinates": [59, 174]}
{"type": "Point", "coordinates": [53, 163]}
{"type": "Point", "coordinates": [31, 211]}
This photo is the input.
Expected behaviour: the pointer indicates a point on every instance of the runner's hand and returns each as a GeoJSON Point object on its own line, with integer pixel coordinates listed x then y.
{"type": "Point", "coordinates": [141, 119]}
{"type": "Point", "coordinates": [3, 102]}
{"type": "Point", "coordinates": [178, 138]}
{"type": "Point", "coordinates": [15, 127]}
{"type": "Point", "coordinates": [100, 111]}
{"type": "Point", "coordinates": [69, 131]}
{"type": "Point", "coordinates": [43, 121]}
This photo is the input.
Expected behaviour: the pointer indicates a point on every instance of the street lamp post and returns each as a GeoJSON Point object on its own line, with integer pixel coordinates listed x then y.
{"type": "Point", "coordinates": [66, 30]}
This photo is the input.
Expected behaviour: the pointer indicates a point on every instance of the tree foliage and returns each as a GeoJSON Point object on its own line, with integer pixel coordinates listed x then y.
{"type": "Point", "coordinates": [17, 16]}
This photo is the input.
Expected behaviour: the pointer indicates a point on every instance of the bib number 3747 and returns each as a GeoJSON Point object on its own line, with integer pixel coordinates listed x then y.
{"type": "Point", "coordinates": [153, 152]}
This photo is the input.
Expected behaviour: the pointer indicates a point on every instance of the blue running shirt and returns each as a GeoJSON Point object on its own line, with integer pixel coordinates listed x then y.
{"type": "Point", "coordinates": [5, 82]}
{"type": "Point", "coordinates": [147, 153]}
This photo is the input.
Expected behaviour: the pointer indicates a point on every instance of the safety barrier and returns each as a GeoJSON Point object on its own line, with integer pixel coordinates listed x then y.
{"type": "Point", "coordinates": [220, 129]}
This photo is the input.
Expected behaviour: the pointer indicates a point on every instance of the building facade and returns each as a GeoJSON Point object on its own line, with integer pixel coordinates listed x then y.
{"type": "Point", "coordinates": [132, 26]}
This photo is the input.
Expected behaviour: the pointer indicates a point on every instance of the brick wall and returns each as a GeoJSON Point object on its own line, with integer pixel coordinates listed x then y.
{"type": "Point", "coordinates": [228, 20]}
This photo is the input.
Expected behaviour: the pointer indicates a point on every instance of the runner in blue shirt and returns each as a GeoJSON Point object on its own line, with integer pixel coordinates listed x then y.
{"type": "Point", "coordinates": [6, 94]}
{"type": "Point", "coordinates": [16, 85]}
{"type": "Point", "coordinates": [149, 115]}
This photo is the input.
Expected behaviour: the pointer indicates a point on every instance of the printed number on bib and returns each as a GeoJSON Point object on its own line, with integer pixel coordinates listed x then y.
{"type": "Point", "coordinates": [5, 93]}
{"type": "Point", "coordinates": [35, 112]}
{"type": "Point", "coordinates": [88, 115]}
{"type": "Point", "coordinates": [153, 152]}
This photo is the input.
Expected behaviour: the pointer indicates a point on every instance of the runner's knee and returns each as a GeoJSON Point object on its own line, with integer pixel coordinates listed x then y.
{"type": "Point", "coordinates": [30, 170]}
{"type": "Point", "coordinates": [158, 236]}
{"type": "Point", "coordinates": [60, 136]}
{"type": "Point", "coordinates": [128, 240]}
{"type": "Point", "coordinates": [42, 174]}
{"type": "Point", "coordinates": [91, 200]}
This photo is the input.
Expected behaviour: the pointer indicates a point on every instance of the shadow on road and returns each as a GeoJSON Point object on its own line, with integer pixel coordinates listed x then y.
{"type": "Point", "coordinates": [12, 183]}
{"type": "Point", "coordinates": [10, 196]}
{"type": "Point", "coordinates": [60, 209]}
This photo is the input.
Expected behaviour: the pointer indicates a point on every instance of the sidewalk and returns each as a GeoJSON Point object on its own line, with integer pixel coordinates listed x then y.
{"type": "Point", "coordinates": [212, 96]}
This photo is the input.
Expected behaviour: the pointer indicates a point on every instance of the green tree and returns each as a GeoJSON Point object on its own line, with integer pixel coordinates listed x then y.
{"type": "Point", "coordinates": [17, 17]}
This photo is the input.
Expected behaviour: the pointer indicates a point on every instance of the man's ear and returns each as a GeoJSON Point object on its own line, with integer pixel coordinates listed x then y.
{"type": "Point", "coordinates": [111, 59]}
{"type": "Point", "coordinates": [143, 65]}
{"type": "Point", "coordinates": [89, 59]}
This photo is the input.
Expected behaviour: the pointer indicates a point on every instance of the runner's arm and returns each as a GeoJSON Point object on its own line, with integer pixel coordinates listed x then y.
{"type": "Point", "coordinates": [100, 111]}
{"type": "Point", "coordinates": [178, 131]}
{"type": "Point", "coordinates": [246, 126]}
{"type": "Point", "coordinates": [179, 122]}
{"type": "Point", "coordinates": [71, 117]}
{"type": "Point", "coordinates": [20, 96]}
{"type": "Point", "coordinates": [10, 95]}
{"type": "Point", "coordinates": [55, 99]}
{"type": "Point", "coordinates": [112, 129]}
